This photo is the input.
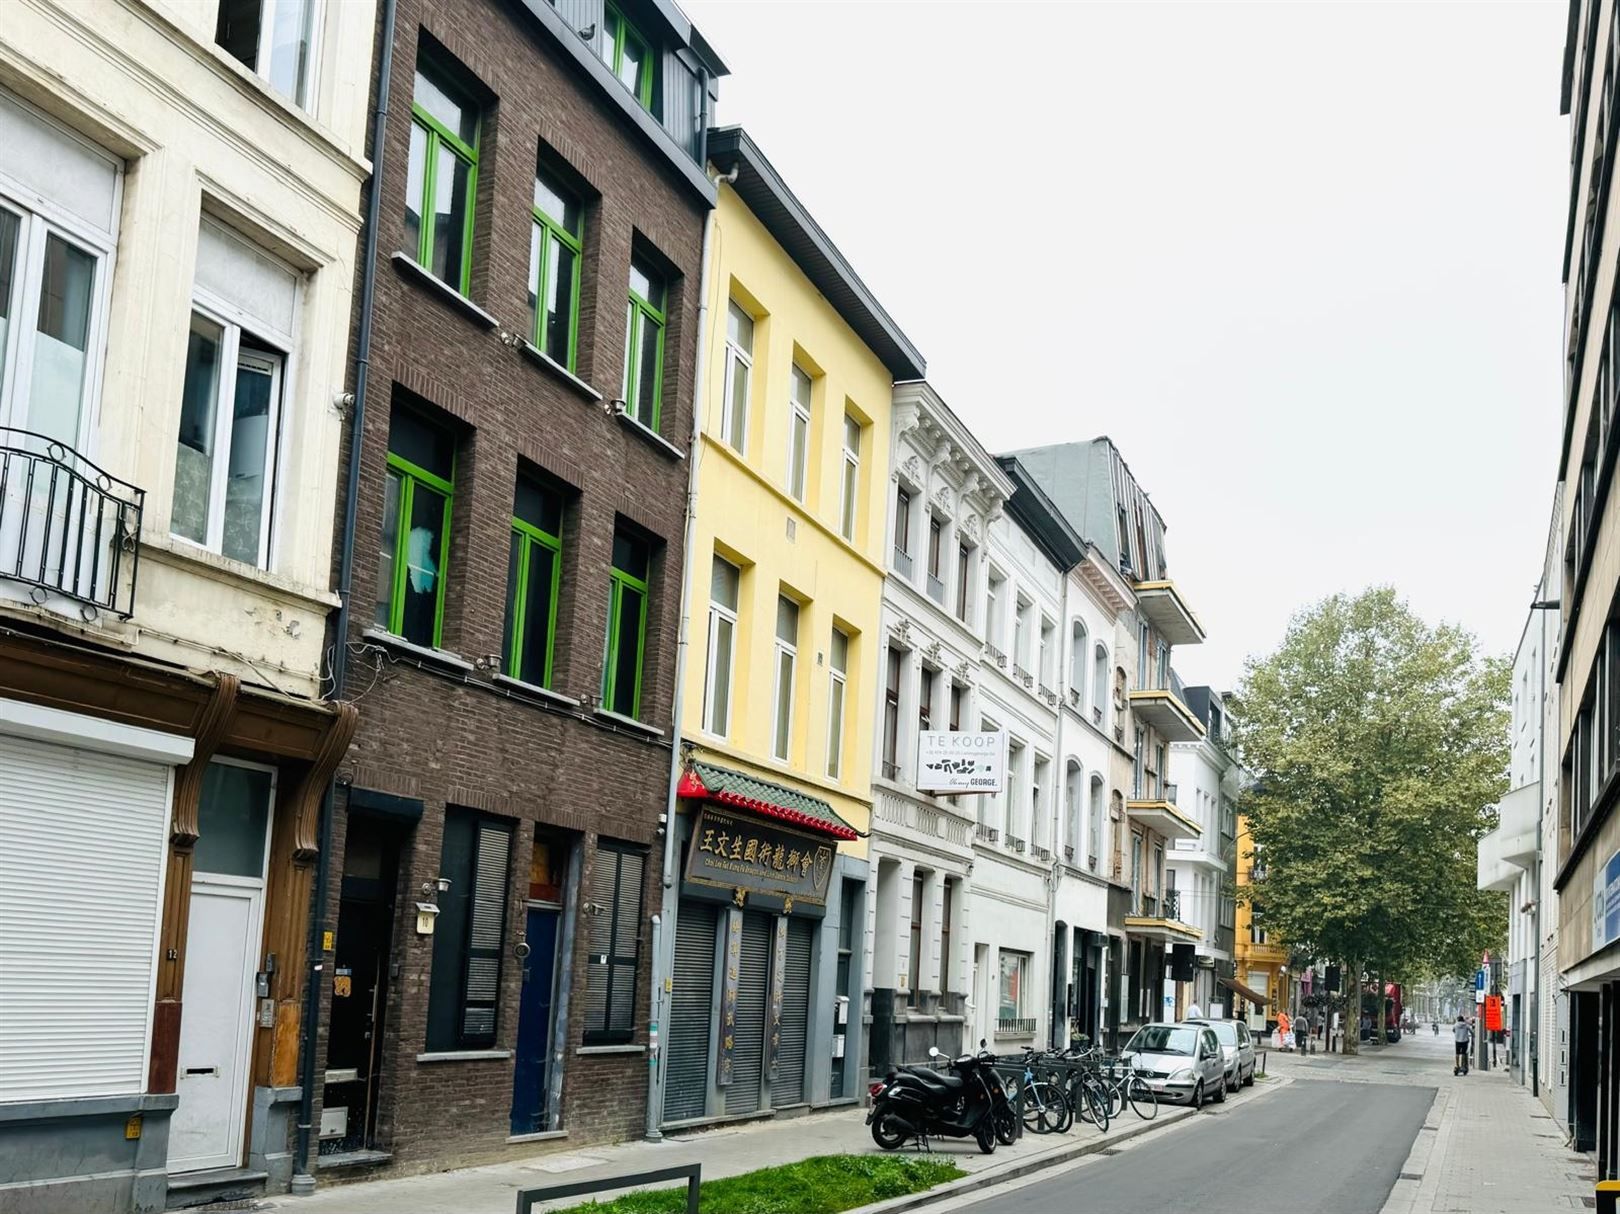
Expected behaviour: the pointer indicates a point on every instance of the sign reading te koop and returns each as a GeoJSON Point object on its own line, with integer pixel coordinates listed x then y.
{"type": "Point", "coordinates": [959, 762]}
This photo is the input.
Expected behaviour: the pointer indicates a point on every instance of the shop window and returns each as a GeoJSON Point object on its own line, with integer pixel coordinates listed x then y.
{"type": "Point", "coordinates": [470, 932]}
{"type": "Point", "coordinates": [614, 943]}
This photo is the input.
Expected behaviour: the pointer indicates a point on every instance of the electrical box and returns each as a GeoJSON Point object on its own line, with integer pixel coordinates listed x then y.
{"type": "Point", "coordinates": [842, 1014]}
{"type": "Point", "coordinates": [334, 1122]}
{"type": "Point", "coordinates": [838, 1045]}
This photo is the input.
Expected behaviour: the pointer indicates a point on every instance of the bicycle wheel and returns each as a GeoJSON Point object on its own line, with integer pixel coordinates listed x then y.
{"type": "Point", "coordinates": [1044, 1108]}
{"type": "Point", "coordinates": [1143, 1102]}
{"type": "Point", "coordinates": [1096, 1100]}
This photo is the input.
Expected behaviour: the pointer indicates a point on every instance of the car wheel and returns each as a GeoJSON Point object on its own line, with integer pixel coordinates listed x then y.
{"type": "Point", "coordinates": [1198, 1095]}
{"type": "Point", "coordinates": [1248, 1080]}
{"type": "Point", "coordinates": [1220, 1096]}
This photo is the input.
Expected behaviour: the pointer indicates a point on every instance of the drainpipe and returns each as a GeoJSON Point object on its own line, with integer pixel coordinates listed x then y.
{"type": "Point", "coordinates": [1060, 762]}
{"type": "Point", "coordinates": [303, 1180]}
{"type": "Point", "coordinates": [662, 941]}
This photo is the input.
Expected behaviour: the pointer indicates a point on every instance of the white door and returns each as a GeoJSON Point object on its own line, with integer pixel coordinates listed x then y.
{"type": "Point", "coordinates": [217, 1010]}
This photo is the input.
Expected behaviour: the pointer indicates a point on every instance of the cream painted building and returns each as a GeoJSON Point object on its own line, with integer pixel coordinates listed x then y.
{"type": "Point", "coordinates": [179, 208]}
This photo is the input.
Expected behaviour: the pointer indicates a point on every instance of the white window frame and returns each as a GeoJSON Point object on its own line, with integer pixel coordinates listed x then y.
{"type": "Point", "coordinates": [992, 601]}
{"type": "Point", "coordinates": [789, 650]}
{"type": "Point", "coordinates": [1037, 800]}
{"type": "Point", "coordinates": [261, 58]}
{"type": "Point", "coordinates": [837, 679]}
{"type": "Point", "coordinates": [850, 485]}
{"type": "Point", "coordinates": [798, 452]}
{"type": "Point", "coordinates": [729, 406]}
{"type": "Point", "coordinates": [1045, 674]}
{"type": "Point", "coordinates": [719, 612]}
{"type": "Point", "coordinates": [233, 322]}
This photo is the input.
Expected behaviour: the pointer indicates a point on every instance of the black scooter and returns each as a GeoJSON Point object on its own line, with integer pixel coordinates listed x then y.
{"type": "Point", "coordinates": [920, 1102]}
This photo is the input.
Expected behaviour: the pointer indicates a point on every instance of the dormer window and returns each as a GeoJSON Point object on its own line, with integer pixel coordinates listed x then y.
{"type": "Point", "coordinates": [629, 56]}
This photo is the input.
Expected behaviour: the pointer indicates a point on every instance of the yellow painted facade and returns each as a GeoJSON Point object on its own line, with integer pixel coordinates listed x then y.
{"type": "Point", "coordinates": [748, 515]}
{"type": "Point", "coordinates": [1253, 958]}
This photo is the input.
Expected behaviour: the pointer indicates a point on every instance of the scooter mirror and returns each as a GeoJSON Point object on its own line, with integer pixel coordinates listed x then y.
{"type": "Point", "coordinates": [981, 1043]}
{"type": "Point", "coordinates": [933, 1051]}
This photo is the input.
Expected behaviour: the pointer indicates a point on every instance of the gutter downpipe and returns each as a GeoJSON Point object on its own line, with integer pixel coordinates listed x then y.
{"type": "Point", "coordinates": [303, 1180]}
{"type": "Point", "coordinates": [663, 965]}
{"type": "Point", "coordinates": [1058, 1000]}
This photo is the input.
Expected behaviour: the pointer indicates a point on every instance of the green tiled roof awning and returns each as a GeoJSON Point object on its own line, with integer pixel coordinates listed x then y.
{"type": "Point", "coordinates": [722, 785]}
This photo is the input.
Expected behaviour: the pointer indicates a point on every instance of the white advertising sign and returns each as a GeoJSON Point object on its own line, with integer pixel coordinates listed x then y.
{"type": "Point", "coordinates": [959, 762]}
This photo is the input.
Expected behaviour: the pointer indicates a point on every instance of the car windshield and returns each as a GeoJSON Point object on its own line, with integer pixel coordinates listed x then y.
{"type": "Point", "coordinates": [1163, 1039]}
{"type": "Point", "coordinates": [1225, 1031]}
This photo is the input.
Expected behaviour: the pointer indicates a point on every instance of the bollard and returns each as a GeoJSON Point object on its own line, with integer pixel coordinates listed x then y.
{"type": "Point", "coordinates": [1608, 1192]}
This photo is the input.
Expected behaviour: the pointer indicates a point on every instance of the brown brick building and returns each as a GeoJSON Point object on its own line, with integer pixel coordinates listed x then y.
{"type": "Point", "coordinates": [518, 551]}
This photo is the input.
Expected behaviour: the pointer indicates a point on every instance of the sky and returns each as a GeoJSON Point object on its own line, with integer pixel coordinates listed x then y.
{"type": "Point", "coordinates": [1300, 261]}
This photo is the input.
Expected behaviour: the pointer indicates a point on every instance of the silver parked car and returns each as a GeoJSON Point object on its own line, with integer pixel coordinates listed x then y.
{"type": "Point", "coordinates": [1237, 1045]}
{"type": "Point", "coordinates": [1181, 1062]}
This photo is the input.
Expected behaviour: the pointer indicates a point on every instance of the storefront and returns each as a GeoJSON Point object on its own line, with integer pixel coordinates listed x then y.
{"type": "Point", "coordinates": [766, 951]}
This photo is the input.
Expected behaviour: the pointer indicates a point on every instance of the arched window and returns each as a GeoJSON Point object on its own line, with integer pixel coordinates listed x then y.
{"type": "Point", "coordinates": [1077, 664]}
{"type": "Point", "coordinates": [1073, 779]}
{"type": "Point", "coordinates": [1099, 685]}
{"type": "Point", "coordinates": [1094, 821]}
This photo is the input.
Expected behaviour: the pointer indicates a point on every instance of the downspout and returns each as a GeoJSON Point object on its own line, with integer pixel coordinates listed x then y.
{"type": "Point", "coordinates": [303, 1180]}
{"type": "Point", "coordinates": [663, 966]}
{"type": "Point", "coordinates": [1060, 762]}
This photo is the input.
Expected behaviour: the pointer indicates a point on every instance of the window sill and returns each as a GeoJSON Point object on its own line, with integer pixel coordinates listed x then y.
{"type": "Point", "coordinates": [436, 657]}
{"type": "Point", "coordinates": [536, 691]}
{"type": "Point", "coordinates": [617, 718]}
{"type": "Point", "coordinates": [464, 1056]}
{"type": "Point", "coordinates": [409, 267]}
{"type": "Point", "coordinates": [657, 441]}
{"type": "Point", "coordinates": [610, 1049]}
{"type": "Point", "coordinates": [543, 360]}
{"type": "Point", "coordinates": [538, 1136]}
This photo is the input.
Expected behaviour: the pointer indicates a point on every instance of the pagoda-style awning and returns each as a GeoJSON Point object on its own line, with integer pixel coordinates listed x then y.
{"type": "Point", "coordinates": [723, 786]}
{"type": "Point", "coordinates": [1163, 605]}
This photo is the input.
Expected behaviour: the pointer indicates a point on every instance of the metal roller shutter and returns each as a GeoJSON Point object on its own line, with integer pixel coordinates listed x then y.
{"type": "Point", "coordinates": [788, 1086]}
{"type": "Point", "coordinates": [82, 844]}
{"type": "Point", "coordinates": [691, 1012]}
{"type": "Point", "coordinates": [753, 989]}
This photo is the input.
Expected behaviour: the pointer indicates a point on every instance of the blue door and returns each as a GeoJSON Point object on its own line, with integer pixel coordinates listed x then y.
{"type": "Point", "coordinates": [534, 1023]}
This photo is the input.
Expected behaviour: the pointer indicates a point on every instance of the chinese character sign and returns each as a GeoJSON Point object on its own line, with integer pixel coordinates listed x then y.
{"type": "Point", "coordinates": [737, 852]}
{"type": "Point", "coordinates": [957, 762]}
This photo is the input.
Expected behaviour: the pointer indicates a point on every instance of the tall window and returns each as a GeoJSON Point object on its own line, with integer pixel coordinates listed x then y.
{"type": "Point", "coordinates": [644, 344]}
{"type": "Point", "coordinates": [958, 706]}
{"type": "Point", "coordinates": [416, 528]}
{"type": "Point", "coordinates": [1099, 685]}
{"type": "Point", "coordinates": [534, 571]}
{"type": "Point", "coordinates": [1161, 772]}
{"type": "Point", "coordinates": [725, 579]}
{"type": "Point", "coordinates": [1014, 978]}
{"type": "Point", "coordinates": [994, 628]}
{"type": "Point", "coordinates": [787, 657]}
{"type": "Point", "coordinates": [964, 581]}
{"type": "Point", "coordinates": [1138, 763]}
{"type": "Point", "coordinates": [1136, 873]}
{"type": "Point", "coordinates": [946, 912]}
{"type": "Point", "coordinates": [918, 888]}
{"type": "Point", "coordinates": [1048, 651]}
{"type": "Point", "coordinates": [613, 943]}
{"type": "Point", "coordinates": [837, 679]}
{"type": "Point", "coordinates": [556, 248]}
{"type": "Point", "coordinates": [1164, 666]}
{"type": "Point", "coordinates": [850, 485]}
{"type": "Point", "coordinates": [1078, 657]}
{"type": "Point", "coordinates": [798, 433]}
{"type": "Point", "coordinates": [627, 624]}
{"type": "Point", "coordinates": [231, 399]}
{"type": "Point", "coordinates": [442, 176]}
{"type": "Point", "coordinates": [1144, 672]}
{"type": "Point", "coordinates": [891, 713]}
{"type": "Point", "coordinates": [1037, 801]}
{"type": "Point", "coordinates": [1021, 631]}
{"type": "Point", "coordinates": [469, 935]}
{"type": "Point", "coordinates": [629, 57]}
{"type": "Point", "coordinates": [902, 527]}
{"type": "Point", "coordinates": [1094, 821]}
{"type": "Point", "coordinates": [739, 370]}
{"type": "Point", "coordinates": [277, 40]}
{"type": "Point", "coordinates": [925, 698]}
{"type": "Point", "coordinates": [936, 552]}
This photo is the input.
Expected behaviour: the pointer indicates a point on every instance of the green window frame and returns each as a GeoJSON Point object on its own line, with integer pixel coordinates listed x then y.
{"type": "Point", "coordinates": [431, 136]}
{"type": "Point", "coordinates": [644, 321]}
{"type": "Point", "coordinates": [536, 554]}
{"type": "Point", "coordinates": [407, 561]}
{"type": "Point", "coordinates": [618, 37]}
{"type": "Point", "coordinates": [556, 251]}
{"type": "Point", "coordinates": [627, 622]}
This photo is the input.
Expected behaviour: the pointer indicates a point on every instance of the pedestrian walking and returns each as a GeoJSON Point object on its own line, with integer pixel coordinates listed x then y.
{"type": "Point", "coordinates": [1194, 1012]}
{"type": "Point", "coordinates": [1282, 1031]}
{"type": "Point", "coordinates": [1463, 1034]}
{"type": "Point", "coordinates": [1302, 1030]}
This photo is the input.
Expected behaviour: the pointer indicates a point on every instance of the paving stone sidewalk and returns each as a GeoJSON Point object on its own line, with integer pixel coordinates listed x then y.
{"type": "Point", "coordinates": [725, 1151]}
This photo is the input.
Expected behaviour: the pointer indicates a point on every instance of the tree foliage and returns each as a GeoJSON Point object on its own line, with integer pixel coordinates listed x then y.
{"type": "Point", "coordinates": [1380, 745]}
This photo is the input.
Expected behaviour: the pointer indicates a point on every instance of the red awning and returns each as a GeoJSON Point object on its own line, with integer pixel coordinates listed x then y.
{"type": "Point", "coordinates": [703, 782]}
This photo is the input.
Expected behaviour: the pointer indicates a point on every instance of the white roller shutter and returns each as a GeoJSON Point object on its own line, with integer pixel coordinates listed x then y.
{"type": "Point", "coordinates": [82, 840]}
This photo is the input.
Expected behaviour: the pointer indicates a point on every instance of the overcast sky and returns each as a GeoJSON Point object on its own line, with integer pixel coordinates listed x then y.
{"type": "Point", "coordinates": [1301, 262]}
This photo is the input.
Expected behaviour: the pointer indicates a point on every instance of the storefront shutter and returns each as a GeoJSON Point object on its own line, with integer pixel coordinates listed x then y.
{"type": "Point", "coordinates": [753, 983]}
{"type": "Point", "coordinates": [485, 934]}
{"type": "Point", "coordinates": [82, 842]}
{"type": "Point", "coordinates": [692, 1012]}
{"type": "Point", "coordinates": [788, 1086]}
{"type": "Point", "coordinates": [614, 944]}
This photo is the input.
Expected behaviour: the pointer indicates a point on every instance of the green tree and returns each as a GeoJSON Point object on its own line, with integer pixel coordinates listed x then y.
{"type": "Point", "coordinates": [1379, 744]}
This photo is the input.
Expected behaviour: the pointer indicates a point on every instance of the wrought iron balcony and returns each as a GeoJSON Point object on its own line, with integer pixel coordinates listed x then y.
{"type": "Point", "coordinates": [68, 529]}
{"type": "Point", "coordinates": [1015, 1026]}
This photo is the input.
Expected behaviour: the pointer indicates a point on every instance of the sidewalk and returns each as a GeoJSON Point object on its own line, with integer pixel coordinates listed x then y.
{"type": "Point", "coordinates": [725, 1151]}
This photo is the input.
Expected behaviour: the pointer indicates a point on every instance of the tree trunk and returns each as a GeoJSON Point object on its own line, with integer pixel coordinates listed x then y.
{"type": "Point", "coordinates": [1383, 1011]}
{"type": "Point", "coordinates": [1350, 1018]}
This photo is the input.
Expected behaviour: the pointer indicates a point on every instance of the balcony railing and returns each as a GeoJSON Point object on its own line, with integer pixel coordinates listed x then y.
{"type": "Point", "coordinates": [902, 562]}
{"type": "Point", "coordinates": [936, 590]}
{"type": "Point", "coordinates": [891, 771]}
{"type": "Point", "coordinates": [996, 656]}
{"type": "Point", "coordinates": [1172, 904]}
{"type": "Point", "coordinates": [68, 529]}
{"type": "Point", "coordinates": [1015, 1026]}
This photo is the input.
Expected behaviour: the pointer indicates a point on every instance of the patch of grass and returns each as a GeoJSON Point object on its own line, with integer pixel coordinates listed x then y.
{"type": "Point", "coordinates": [824, 1184]}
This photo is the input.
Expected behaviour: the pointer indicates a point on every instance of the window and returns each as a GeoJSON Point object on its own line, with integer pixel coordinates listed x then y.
{"type": "Point", "coordinates": [1021, 632]}
{"type": "Point", "coordinates": [1014, 974]}
{"type": "Point", "coordinates": [1072, 793]}
{"type": "Point", "coordinates": [725, 579]}
{"type": "Point", "coordinates": [613, 947]}
{"type": "Point", "coordinates": [902, 529]}
{"type": "Point", "coordinates": [534, 570]}
{"type": "Point", "coordinates": [964, 579]}
{"type": "Point", "coordinates": [936, 553]}
{"type": "Point", "coordinates": [837, 677]}
{"type": "Point", "coordinates": [1077, 663]}
{"type": "Point", "coordinates": [891, 714]}
{"type": "Point", "coordinates": [993, 596]}
{"type": "Point", "coordinates": [1094, 820]}
{"type": "Point", "coordinates": [469, 933]}
{"type": "Point", "coordinates": [628, 56]}
{"type": "Point", "coordinates": [1017, 828]}
{"type": "Point", "coordinates": [644, 344]}
{"type": "Point", "coordinates": [627, 624]}
{"type": "Point", "coordinates": [1164, 666]}
{"type": "Point", "coordinates": [276, 39]}
{"type": "Point", "coordinates": [739, 369]}
{"type": "Point", "coordinates": [416, 528]}
{"type": "Point", "coordinates": [925, 698]}
{"type": "Point", "coordinates": [918, 888]}
{"type": "Point", "coordinates": [441, 179]}
{"type": "Point", "coordinates": [851, 477]}
{"type": "Point", "coordinates": [1161, 772]}
{"type": "Point", "coordinates": [787, 656]}
{"type": "Point", "coordinates": [946, 912]}
{"type": "Point", "coordinates": [798, 433]}
{"type": "Point", "coordinates": [1138, 761]}
{"type": "Point", "coordinates": [1037, 801]}
{"type": "Point", "coordinates": [1136, 873]}
{"type": "Point", "coordinates": [1048, 651]}
{"type": "Point", "coordinates": [556, 248]}
{"type": "Point", "coordinates": [958, 703]}
{"type": "Point", "coordinates": [1143, 672]}
{"type": "Point", "coordinates": [231, 399]}
{"type": "Point", "coordinates": [1099, 685]}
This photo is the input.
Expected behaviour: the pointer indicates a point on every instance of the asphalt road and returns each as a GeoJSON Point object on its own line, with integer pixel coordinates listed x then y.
{"type": "Point", "coordinates": [1315, 1147]}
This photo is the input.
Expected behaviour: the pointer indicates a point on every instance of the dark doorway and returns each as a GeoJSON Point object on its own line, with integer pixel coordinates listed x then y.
{"type": "Point", "coordinates": [531, 1070]}
{"type": "Point", "coordinates": [360, 966]}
